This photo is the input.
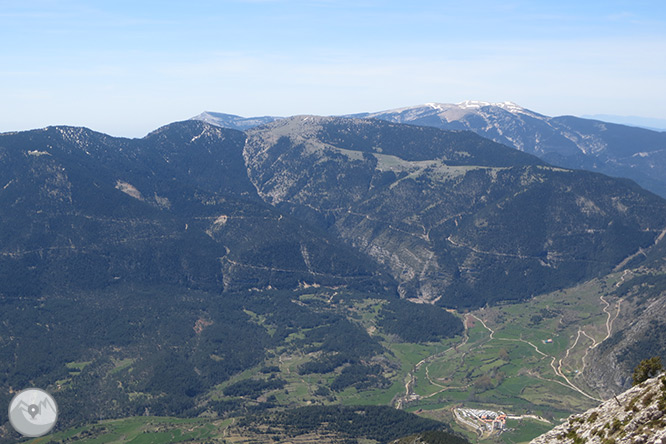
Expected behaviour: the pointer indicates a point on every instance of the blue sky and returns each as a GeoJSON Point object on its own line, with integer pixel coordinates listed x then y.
{"type": "Point", "coordinates": [128, 67]}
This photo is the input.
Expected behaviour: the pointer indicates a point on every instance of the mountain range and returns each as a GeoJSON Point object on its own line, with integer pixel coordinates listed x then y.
{"type": "Point", "coordinates": [204, 270]}
{"type": "Point", "coordinates": [174, 207]}
{"type": "Point", "coordinates": [457, 219]}
{"type": "Point", "coordinates": [566, 141]}
{"type": "Point", "coordinates": [449, 216]}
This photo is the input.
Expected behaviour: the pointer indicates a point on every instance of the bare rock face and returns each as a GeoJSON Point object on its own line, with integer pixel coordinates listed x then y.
{"type": "Point", "coordinates": [638, 416]}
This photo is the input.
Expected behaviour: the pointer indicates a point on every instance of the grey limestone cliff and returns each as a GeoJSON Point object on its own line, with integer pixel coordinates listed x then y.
{"type": "Point", "coordinates": [637, 416]}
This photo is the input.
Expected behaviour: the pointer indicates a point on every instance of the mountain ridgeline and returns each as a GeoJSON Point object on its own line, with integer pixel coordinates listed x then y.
{"type": "Point", "coordinates": [566, 141]}
{"type": "Point", "coordinates": [154, 271]}
{"type": "Point", "coordinates": [440, 216]}
{"type": "Point", "coordinates": [83, 210]}
{"type": "Point", "coordinates": [457, 219]}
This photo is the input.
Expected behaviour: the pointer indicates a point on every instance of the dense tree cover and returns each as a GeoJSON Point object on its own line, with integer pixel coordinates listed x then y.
{"type": "Point", "coordinates": [418, 322]}
{"type": "Point", "coordinates": [160, 349]}
{"type": "Point", "coordinates": [167, 372]}
{"type": "Point", "coordinates": [370, 422]}
{"type": "Point", "coordinates": [253, 388]}
{"type": "Point", "coordinates": [98, 210]}
{"type": "Point", "coordinates": [532, 225]}
{"type": "Point", "coordinates": [226, 407]}
{"type": "Point", "coordinates": [346, 337]}
{"type": "Point", "coordinates": [139, 349]}
{"type": "Point", "coordinates": [237, 407]}
{"type": "Point", "coordinates": [360, 376]}
{"type": "Point", "coordinates": [342, 342]}
{"type": "Point", "coordinates": [148, 322]}
{"type": "Point", "coordinates": [326, 363]}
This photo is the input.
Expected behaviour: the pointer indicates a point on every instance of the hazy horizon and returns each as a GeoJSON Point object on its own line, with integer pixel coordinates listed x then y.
{"type": "Point", "coordinates": [127, 68]}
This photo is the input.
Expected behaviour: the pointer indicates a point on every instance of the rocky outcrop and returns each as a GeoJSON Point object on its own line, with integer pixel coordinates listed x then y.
{"type": "Point", "coordinates": [638, 416]}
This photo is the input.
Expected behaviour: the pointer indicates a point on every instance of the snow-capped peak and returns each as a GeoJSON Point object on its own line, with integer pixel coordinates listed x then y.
{"type": "Point", "coordinates": [437, 106]}
{"type": "Point", "coordinates": [511, 107]}
{"type": "Point", "coordinates": [473, 104]}
{"type": "Point", "coordinates": [476, 104]}
{"type": "Point", "coordinates": [453, 111]}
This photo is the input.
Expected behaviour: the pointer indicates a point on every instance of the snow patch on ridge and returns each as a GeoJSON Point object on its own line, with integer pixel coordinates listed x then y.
{"type": "Point", "coordinates": [38, 153]}
{"type": "Point", "coordinates": [454, 110]}
{"type": "Point", "coordinates": [507, 106]}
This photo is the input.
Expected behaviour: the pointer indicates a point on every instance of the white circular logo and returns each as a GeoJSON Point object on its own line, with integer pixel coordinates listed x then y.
{"type": "Point", "coordinates": [33, 412]}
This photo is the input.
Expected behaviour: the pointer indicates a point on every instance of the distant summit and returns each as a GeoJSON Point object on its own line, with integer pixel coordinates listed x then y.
{"type": "Point", "coordinates": [477, 104]}
{"type": "Point", "coordinates": [571, 142]}
{"type": "Point", "coordinates": [232, 121]}
{"type": "Point", "coordinates": [566, 141]}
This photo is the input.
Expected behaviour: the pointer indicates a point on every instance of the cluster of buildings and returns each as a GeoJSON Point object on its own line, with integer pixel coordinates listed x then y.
{"type": "Point", "coordinates": [486, 420]}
